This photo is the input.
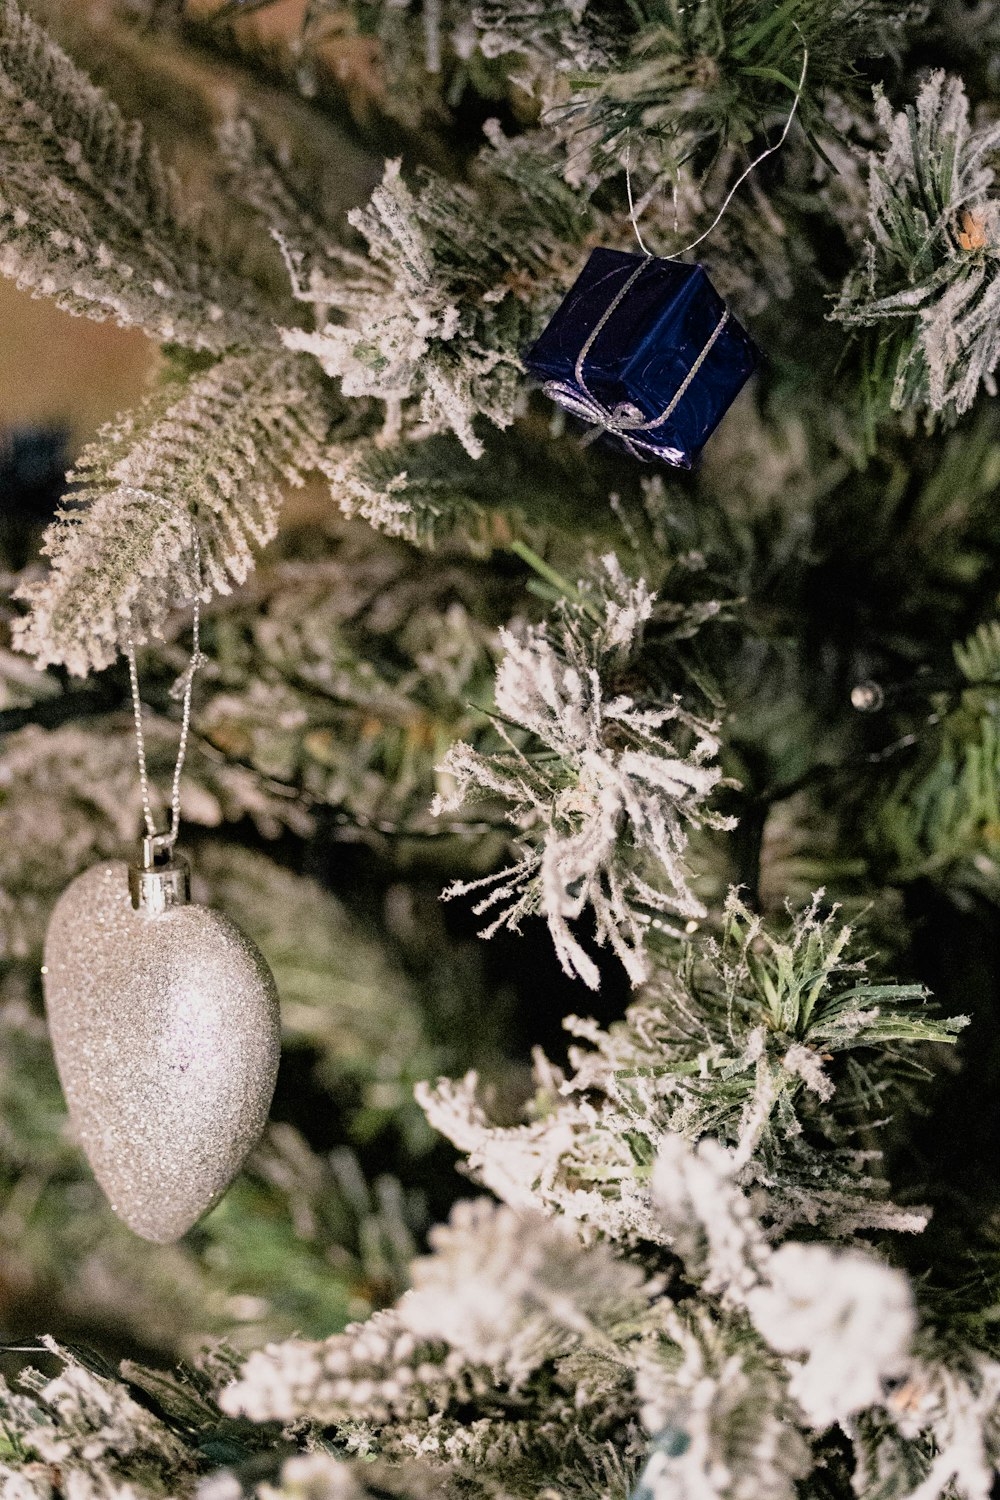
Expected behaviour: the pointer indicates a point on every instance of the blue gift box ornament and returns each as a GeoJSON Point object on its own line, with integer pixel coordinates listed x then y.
{"type": "Point", "coordinates": [647, 351]}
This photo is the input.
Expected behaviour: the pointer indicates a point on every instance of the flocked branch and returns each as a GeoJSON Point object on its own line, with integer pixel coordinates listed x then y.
{"type": "Point", "coordinates": [87, 212]}
{"type": "Point", "coordinates": [212, 454]}
{"type": "Point", "coordinates": [603, 787]}
{"type": "Point", "coordinates": [929, 278]}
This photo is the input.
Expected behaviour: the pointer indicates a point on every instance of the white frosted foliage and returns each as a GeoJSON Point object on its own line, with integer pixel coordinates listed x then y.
{"type": "Point", "coordinates": [850, 1318]}
{"type": "Point", "coordinates": [213, 454]}
{"type": "Point", "coordinates": [87, 214]}
{"type": "Point", "coordinates": [930, 271]}
{"type": "Point", "coordinates": [603, 794]}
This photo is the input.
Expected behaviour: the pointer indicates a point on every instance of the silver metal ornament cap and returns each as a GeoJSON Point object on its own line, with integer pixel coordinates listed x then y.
{"type": "Point", "coordinates": [162, 877]}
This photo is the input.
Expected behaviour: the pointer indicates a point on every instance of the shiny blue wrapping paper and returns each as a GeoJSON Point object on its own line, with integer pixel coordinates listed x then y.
{"type": "Point", "coordinates": [645, 350]}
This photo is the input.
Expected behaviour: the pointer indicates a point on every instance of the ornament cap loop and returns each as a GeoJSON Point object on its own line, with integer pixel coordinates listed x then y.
{"type": "Point", "coordinates": [161, 878]}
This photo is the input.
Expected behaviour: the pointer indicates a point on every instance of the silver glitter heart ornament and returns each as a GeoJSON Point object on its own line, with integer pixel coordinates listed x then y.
{"type": "Point", "coordinates": [164, 1022]}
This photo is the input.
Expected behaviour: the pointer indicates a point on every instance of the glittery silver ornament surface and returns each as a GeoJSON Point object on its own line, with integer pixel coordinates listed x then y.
{"type": "Point", "coordinates": [166, 1037]}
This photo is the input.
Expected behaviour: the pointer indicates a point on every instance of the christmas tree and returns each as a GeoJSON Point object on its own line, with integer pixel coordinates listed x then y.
{"type": "Point", "coordinates": [659, 1158]}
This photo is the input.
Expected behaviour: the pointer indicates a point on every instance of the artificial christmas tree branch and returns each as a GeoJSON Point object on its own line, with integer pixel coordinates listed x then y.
{"type": "Point", "coordinates": [715, 751]}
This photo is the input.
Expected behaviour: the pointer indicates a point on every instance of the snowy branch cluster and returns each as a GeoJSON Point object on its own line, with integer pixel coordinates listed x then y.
{"type": "Point", "coordinates": [762, 1044]}
{"type": "Point", "coordinates": [511, 1312]}
{"type": "Point", "coordinates": [931, 262]}
{"type": "Point", "coordinates": [604, 788]}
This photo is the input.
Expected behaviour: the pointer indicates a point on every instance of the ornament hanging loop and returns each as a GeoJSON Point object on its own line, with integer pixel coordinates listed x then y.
{"type": "Point", "coordinates": [768, 151]}
{"type": "Point", "coordinates": [161, 878]}
{"type": "Point", "coordinates": [186, 689]}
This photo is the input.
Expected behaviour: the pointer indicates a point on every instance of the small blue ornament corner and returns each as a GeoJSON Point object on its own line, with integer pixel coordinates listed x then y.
{"type": "Point", "coordinates": [646, 351]}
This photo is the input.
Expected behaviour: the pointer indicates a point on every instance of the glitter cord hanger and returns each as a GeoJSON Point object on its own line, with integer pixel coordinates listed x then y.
{"type": "Point", "coordinates": [769, 151]}
{"type": "Point", "coordinates": [168, 839]}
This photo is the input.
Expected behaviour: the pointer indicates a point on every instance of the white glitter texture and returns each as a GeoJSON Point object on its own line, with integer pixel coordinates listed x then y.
{"type": "Point", "coordinates": [166, 1037]}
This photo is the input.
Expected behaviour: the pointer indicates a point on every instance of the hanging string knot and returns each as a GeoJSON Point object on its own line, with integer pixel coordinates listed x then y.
{"type": "Point", "coordinates": [184, 681]}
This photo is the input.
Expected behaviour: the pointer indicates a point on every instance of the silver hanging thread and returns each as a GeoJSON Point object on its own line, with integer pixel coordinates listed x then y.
{"type": "Point", "coordinates": [741, 179]}
{"type": "Point", "coordinates": [157, 843]}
